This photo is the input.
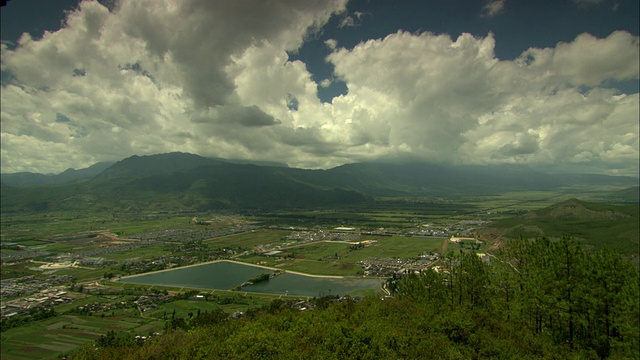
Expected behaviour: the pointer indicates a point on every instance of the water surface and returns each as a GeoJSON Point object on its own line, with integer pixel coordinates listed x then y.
{"type": "Point", "coordinates": [225, 275]}
{"type": "Point", "coordinates": [221, 275]}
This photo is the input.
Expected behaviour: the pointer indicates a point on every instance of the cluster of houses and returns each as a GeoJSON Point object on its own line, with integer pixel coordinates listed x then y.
{"type": "Point", "coordinates": [150, 301]}
{"type": "Point", "coordinates": [43, 299]}
{"type": "Point", "coordinates": [311, 304]}
{"type": "Point", "coordinates": [95, 307]}
{"type": "Point", "coordinates": [337, 234]}
{"type": "Point", "coordinates": [299, 237]}
{"type": "Point", "coordinates": [26, 285]}
{"type": "Point", "coordinates": [386, 267]}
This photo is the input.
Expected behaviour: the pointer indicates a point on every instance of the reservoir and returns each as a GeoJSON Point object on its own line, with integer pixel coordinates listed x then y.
{"type": "Point", "coordinates": [226, 275]}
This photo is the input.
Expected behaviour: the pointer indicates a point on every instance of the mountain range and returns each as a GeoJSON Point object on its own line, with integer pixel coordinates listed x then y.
{"type": "Point", "coordinates": [188, 181]}
{"type": "Point", "coordinates": [29, 179]}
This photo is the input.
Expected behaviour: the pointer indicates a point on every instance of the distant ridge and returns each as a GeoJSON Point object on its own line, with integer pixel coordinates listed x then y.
{"type": "Point", "coordinates": [630, 195]}
{"type": "Point", "coordinates": [27, 179]}
{"type": "Point", "coordinates": [432, 179]}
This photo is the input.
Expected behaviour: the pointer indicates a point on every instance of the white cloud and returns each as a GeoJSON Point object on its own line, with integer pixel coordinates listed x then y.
{"type": "Point", "coordinates": [213, 78]}
{"type": "Point", "coordinates": [331, 43]}
{"type": "Point", "coordinates": [325, 83]}
{"type": "Point", "coordinates": [454, 101]}
{"type": "Point", "coordinates": [351, 21]}
{"type": "Point", "coordinates": [587, 60]}
{"type": "Point", "coordinates": [152, 71]}
{"type": "Point", "coordinates": [492, 8]}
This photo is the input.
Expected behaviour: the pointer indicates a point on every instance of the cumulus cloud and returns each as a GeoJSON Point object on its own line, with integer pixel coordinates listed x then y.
{"type": "Point", "coordinates": [214, 78]}
{"type": "Point", "coordinates": [331, 43]}
{"type": "Point", "coordinates": [452, 100]}
{"type": "Point", "coordinates": [325, 83]}
{"type": "Point", "coordinates": [587, 60]}
{"type": "Point", "coordinates": [136, 76]}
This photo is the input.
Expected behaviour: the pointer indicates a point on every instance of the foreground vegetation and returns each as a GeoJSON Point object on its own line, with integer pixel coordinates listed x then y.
{"type": "Point", "coordinates": [537, 299]}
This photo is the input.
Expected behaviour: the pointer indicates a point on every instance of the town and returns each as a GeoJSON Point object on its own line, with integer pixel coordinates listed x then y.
{"type": "Point", "coordinates": [192, 246]}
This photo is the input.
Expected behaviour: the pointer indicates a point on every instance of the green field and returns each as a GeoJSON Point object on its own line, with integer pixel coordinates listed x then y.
{"type": "Point", "coordinates": [250, 239]}
{"type": "Point", "coordinates": [45, 339]}
{"type": "Point", "coordinates": [19, 228]}
{"type": "Point", "coordinates": [338, 258]}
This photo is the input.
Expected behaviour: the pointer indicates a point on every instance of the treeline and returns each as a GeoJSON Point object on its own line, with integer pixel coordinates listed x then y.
{"type": "Point", "coordinates": [260, 278]}
{"type": "Point", "coordinates": [535, 299]}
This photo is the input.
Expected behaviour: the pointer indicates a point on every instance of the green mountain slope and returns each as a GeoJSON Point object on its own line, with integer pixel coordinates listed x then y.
{"type": "Point", "coordinates": [594, 224]}
{"type": "Point", "coordinates": [243, 186]}
{"type": "Point", "coordinates": [143, 166]}
{"type": "Point", "coordinates": [431, 179]}
{"type": "Point", "coordinates": [221, 186]}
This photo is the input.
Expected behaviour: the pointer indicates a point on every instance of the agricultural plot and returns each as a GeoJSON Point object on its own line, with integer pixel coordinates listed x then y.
{"type": "Point", "coordinates": [140, 253]}
{"type": "Point", "coordinates": [323, 267]}
{"type": "Point", "coordinates": [249, 239]}
{"type": "Point", "coordinates": [17, 228]}
{"type": "Point", "coordinates": [46, 339]}
{"type": "Point", "coordinates": [320, 250]}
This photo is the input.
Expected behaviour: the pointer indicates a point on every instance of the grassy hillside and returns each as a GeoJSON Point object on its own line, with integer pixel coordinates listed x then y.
{"type": "Point", "coordinates": [594, 224]}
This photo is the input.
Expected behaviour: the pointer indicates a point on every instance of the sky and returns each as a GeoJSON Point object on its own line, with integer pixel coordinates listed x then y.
{"type": "Point", "coordinates": [320, 83]}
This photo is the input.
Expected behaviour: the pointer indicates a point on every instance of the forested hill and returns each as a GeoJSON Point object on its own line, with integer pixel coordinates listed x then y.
{"type": "Point", "coordinates": [593, 224]}
{"type": "Point", "coordinates": [533, 300]}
